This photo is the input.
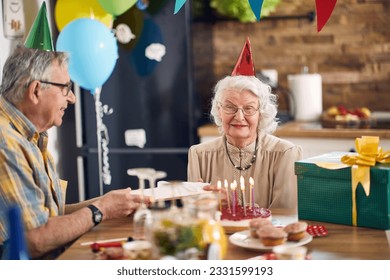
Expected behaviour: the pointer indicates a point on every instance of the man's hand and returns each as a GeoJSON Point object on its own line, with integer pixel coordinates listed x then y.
{"type": "Point", "coordinates": [119, 203]}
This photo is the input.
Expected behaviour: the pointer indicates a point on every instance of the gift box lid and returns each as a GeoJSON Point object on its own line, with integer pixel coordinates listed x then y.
{"type": "Point", "coordinates": [313, 166]}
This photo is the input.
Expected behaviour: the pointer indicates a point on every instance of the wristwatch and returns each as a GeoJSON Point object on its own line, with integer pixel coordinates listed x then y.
{"type": "Point", "coordinates": [97, 215]}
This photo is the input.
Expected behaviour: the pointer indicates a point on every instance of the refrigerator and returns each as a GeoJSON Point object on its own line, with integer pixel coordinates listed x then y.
{"type": "Point", "coordinates": [142, 98]}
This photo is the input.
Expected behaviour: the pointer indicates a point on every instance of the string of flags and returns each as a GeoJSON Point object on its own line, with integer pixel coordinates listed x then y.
{"type": "Point", "coordinates": [324, 9]}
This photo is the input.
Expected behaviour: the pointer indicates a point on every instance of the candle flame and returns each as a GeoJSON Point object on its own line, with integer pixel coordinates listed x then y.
{"type": "Point", "coordinates": [242, 183]}
{"type": "Point", "coordinates": [219, 184]}
{"type": "Point", "coordinates": [233, 185]}
{"type": "Point", "coordinates": [251, 181]}
{"type": "Point", "coordinates": [226, 184]}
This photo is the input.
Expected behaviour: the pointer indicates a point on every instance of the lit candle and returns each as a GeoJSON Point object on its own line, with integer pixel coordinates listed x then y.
{"type": "Point", "coordinates": [219, 186]}
{"type": "Point", "coordinates": [252, 192]}
{"type": "Point", "coordinates": [233, 186]}
{"type": "Point", "coordinates": [227, 194]}
{"type": "Point", "coordinates": [242, 184]}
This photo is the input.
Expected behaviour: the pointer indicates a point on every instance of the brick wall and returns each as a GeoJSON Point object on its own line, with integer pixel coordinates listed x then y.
{"type": "Point", "coordinates": [352, 52]}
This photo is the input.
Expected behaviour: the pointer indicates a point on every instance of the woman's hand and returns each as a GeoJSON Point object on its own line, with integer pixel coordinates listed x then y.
{"type": "Point", "coordinates": [215, 189]}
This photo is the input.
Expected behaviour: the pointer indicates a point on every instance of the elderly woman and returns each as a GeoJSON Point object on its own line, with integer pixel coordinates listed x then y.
{"type": "Point", "coordinates": [244, 109]}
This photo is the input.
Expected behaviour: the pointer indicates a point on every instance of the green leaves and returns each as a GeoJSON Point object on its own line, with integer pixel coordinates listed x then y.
{"type": "Point", "coordinates": [241, 9]}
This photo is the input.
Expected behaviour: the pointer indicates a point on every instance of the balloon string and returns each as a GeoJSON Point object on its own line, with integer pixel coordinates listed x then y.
{"type": "Point", "coordinates": [106, 165]}
{"type": "Point", "coordinates": [102, 142]}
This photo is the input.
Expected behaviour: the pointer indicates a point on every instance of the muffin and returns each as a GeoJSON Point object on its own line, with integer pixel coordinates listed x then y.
{"type": "Point", "coordinates": [256, 224]}
{"type": "Point", "coordinates": [295, 231]}
{"type": "Point", "coordinates": [271, 236]}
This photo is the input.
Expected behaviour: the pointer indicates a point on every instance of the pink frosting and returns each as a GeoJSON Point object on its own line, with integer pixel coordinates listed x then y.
{"type": "Point", "coordinates": [271, 232]}
{"type": "Point", "coordinates": [259, 222]}
{"type": "Point", "coordinates": [295, 227]}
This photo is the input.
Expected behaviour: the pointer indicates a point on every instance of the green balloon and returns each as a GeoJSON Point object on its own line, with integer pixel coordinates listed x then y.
{"type": "Point", "coordinates": [39, 36]}
{"type": "Point", "coordinates": [116, 7]}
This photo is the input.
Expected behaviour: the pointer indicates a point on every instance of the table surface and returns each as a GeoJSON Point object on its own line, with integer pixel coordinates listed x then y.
{"type": "Point", "coordinates": [343, 242]}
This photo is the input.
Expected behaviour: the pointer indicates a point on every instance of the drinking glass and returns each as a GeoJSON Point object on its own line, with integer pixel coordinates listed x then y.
{"type": "Point", "coordinates": [153, 177]}
{"type": "Point", "coordinates": [143, 215]}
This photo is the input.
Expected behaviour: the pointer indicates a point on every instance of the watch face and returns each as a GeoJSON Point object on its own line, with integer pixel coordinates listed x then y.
{"type": "Point", "coordinates": [98, 217]}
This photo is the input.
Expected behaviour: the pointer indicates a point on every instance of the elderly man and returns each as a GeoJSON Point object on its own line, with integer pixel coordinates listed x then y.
{"type": "Point", "coordinates": [35, 92]}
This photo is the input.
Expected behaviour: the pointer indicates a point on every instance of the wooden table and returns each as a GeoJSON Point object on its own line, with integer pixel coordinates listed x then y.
{"type": "Point", "coordinates": [342, 242]}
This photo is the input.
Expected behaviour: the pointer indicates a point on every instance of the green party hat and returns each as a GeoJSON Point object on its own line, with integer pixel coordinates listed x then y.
{"type": "Point", "coordinates": [39, 36]}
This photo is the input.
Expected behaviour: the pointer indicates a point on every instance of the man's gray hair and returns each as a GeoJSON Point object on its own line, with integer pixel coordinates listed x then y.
{"type": "Point", "coordinates": [25, 65]}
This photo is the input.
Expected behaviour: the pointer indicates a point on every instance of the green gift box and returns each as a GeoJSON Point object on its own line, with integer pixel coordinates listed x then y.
{"type": "Point", "coordinates": [326, 195]}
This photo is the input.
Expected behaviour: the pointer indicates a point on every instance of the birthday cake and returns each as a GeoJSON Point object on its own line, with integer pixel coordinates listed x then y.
{"type": "Point", "coordinates": [238, 219]}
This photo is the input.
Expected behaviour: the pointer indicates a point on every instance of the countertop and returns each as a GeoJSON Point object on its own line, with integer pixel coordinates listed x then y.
{"type": "Point", "coordinates": [309, 130]}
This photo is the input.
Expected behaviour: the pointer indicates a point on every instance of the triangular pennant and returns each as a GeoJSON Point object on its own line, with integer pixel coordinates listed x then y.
{"type": "Point", "coordinates": [256, 7]}
{"type": "Point", "coordinates": [324, 9]}
{"type": "Point", "coordinates": [178, 5]}
{"type": "Point", "coordinates": [244, 65]}
{"type": "Point", "coordinates": [39, 36]}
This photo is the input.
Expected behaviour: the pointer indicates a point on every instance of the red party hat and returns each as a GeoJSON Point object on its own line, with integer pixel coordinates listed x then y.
{"type": "Point", "coordinates": [244, 65]}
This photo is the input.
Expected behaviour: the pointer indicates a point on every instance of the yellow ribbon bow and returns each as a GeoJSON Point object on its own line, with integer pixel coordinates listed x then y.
{"type": "Point", "coordinates": [369, 153]}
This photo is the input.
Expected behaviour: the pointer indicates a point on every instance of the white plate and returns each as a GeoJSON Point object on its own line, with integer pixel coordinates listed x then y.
{"type": "Point", "coordinates": [243, 239]}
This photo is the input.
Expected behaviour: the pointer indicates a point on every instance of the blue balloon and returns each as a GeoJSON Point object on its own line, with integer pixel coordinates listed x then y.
{"type": "Point", "coordinates": [92, 49]}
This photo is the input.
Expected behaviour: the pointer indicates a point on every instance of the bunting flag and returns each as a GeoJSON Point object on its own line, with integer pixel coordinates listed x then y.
{"type": "Point", "coordinates": [39, 36]}
{"type": "Point", "coordinates": [178, 5]}
{"type": "Point", "coordinates": [324, 9]}
{"type": "Point", "coordinates": [256, 6]}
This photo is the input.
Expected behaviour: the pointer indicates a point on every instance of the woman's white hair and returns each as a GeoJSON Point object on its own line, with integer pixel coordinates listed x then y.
{"type": "Point", "coordinates": [267, 100]}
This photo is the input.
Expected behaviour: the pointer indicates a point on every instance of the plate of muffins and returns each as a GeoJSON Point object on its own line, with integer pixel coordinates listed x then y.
{"type": "Point", "coordinates": [263, 236]}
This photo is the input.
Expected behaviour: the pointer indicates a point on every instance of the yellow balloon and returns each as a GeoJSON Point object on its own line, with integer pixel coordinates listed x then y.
{"type": "Point", "coordinates": [69, 10]}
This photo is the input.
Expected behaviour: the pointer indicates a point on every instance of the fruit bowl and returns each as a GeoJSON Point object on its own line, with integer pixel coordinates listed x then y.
{"type": "Point", "coordinates": [342, 117]}
{"type": "Point", "coordinates": [329, 122]}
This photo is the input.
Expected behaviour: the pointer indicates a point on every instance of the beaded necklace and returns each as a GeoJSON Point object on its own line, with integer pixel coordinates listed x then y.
{"type": "Point", "coordinates": [239, 167]}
